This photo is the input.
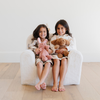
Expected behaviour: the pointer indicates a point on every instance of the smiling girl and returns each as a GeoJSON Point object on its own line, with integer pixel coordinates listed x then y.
{"type": "Point", "coordinates": [60, 64]}
{"type": "Point", "coordinates": [42, 32]}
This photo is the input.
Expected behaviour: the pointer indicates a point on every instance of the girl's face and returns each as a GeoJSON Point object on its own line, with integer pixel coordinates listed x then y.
{"type": "Point", "coordinates": [43, 33]}
{"type": "Point", "coordinates": [61, 30]}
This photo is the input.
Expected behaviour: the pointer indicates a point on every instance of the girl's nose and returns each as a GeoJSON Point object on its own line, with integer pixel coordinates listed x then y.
{"type": "Point", "coordinates": [60, 30]}
{"type": "Point", "coordinates": [42, 32]}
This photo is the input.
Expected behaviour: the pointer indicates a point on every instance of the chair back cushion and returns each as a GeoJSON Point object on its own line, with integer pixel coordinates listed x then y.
{"type": "Point", "coordinates": [29, 41]}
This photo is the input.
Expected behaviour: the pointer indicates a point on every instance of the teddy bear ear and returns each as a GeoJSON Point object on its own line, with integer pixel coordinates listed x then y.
{"type": "Point", "coordinates": [53, 42]}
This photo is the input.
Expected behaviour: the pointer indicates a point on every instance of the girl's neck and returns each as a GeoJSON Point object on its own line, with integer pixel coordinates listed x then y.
{"type": "Point", "coordinates": [42, 39]}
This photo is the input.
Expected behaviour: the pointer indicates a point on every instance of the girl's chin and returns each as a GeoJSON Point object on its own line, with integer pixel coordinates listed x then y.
{"type": "Point", "coordinates": [60, 34]}
{"type": "Point", "coordinates": [43, 37]}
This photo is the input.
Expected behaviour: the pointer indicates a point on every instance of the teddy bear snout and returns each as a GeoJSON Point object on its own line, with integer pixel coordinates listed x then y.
{"type": "Point", "coordinates": [62, 43]}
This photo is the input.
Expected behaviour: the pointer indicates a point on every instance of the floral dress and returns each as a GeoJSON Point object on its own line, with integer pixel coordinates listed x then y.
{"type": "Point", "coordinates": [33, 45]}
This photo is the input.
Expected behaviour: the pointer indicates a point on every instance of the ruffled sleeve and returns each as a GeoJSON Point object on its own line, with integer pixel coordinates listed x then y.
{"type": "Point", "coordinates": [72, 43]}
{"type": "Point", "coordinates": [33, 45]}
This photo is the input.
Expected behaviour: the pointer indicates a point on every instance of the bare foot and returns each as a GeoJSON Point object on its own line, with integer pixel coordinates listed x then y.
{"type": "Point", "coordinates": [55, 88]}
{"type": "Point", "coordinates": [61, 87]}
{"type": "Point", "coordinates": [43, 86]}
{"type": "Point", "coordinates": [37, 86]}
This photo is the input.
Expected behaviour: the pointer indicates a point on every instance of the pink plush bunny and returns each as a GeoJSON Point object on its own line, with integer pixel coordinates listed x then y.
{"type": "Point", "coordinates": [43, 54]}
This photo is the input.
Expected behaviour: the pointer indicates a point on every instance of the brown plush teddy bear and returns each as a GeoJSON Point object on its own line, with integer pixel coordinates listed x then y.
{"type": "Point", "coordinates": [61, 44]}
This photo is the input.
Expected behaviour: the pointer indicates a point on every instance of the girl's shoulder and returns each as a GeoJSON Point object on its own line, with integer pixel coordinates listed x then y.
{"type": "Point", "coordinates": [34, 41]}
{"type": "Point", "coordinates": [68, 36]}
{"type": "Point", "coordinates": [53, 37]}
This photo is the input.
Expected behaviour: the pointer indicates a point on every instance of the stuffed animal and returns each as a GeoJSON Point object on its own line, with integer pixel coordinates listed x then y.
{"type": "Point", "coordinates": [43, 47]}
{"type": "Point", "coordinates": [61, 44]}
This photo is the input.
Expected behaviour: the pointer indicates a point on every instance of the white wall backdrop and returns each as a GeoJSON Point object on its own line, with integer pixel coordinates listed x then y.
{"type": "Point", "coordinates": [18, 19]}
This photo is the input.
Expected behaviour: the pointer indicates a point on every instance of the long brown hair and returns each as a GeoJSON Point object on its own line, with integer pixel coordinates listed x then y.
{"type": "Point", "coordinates": [36, 31]}
{"type": "Point", "coordinates": [65, 24]}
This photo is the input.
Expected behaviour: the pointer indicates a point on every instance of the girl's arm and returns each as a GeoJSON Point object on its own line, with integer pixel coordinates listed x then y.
{"type": "Point", "coordinates": [50, 51]}
{"type": "Point", "coordinates": [70, 47]}
{"type": "Point", "coordinates": [33, 46]}
{"type": "Point", "coordinates": [51, 45]}
{"type": "Point", "coordinates": [72, 44]}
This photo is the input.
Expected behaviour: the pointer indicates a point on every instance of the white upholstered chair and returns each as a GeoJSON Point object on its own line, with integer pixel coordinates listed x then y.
{"type": "Point", "coordinates": [29, 70]}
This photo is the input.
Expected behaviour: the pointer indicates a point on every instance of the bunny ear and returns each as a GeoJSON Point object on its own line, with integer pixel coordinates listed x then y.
{"type": "Point", "coordinates": [45, 41]}
{"type": "Point", "coordinates": [39, 41]}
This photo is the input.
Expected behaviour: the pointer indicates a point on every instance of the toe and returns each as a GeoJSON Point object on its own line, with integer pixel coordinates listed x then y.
{"type": "Point", "coordinates": [43, 86]}
{"type": "Point", "coordinates": [54, 89]}
{"type": "Point", "coordinates": [61, 89]}
{"type": "Point", "coordinates": [37, 87]}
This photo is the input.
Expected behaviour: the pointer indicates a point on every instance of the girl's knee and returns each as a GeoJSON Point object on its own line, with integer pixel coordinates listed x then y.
{"type": "Point", "coordinates": [56, 61]}
{"type": "Point", "coordinates": [39, 64]}
{"type": "Point", "coordinates": [64, 60]}
{"type": "Point", "coordinates": [48, 64]}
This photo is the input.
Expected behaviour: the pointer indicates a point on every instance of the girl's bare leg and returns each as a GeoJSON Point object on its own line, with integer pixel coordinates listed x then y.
{"type": "Point", "coordinates": [63, 71]}
{"type": "Point", "coordinates": [39, 71]}
{"type": "Point", "coordinates": [55, 70]}
{"type": "Point", "coordinates": [44, 75]}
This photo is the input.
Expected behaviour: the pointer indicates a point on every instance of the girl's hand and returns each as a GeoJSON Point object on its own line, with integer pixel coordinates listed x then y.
{"type": "Point", "coordinates": [56, 46]}
{"type": "Point", "coordinates": [37, 50]}
{"type": "Point", "coordinates": [50, 51]}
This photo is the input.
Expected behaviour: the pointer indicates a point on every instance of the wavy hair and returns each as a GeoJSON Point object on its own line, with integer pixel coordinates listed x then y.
{"type": "Point", "coordinates": [36, 31]}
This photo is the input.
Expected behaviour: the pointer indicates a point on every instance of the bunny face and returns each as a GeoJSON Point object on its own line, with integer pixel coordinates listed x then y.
{"type": "Point", "coordinates": [42, 44]}
{"type": "Point", "coordinates": [43, 48]}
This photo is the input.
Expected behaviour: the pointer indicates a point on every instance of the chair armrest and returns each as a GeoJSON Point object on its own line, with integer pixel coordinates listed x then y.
{"type": "Point", "coordinates": [75, 60]}
{"type": "Point", "coordinates": [75, 56]}
{"type": "Point", "coordinates": [27, 55]}
{"type": "Point", "coordinates": [27, 66]}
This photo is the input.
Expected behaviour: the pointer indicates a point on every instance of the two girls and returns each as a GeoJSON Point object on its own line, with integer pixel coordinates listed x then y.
{"type": "Point", "coordinates": [60, 65]}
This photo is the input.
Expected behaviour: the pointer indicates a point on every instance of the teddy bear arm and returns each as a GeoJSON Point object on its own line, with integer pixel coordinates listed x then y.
{"type": "Point", "coordinates": [67, 42]}
{"type": "Point", "coordinates": [66, 53]}
{"type": "Point", "coordinates": [62, 47]}
{"type": "Point", "coordinates": [53, 42]}
{"type": "Point", "coordinates": [57, 46]}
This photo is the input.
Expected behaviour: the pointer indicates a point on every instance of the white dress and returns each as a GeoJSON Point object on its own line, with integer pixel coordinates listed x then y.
{"type": "Point", "coordinates": [70, 47]}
